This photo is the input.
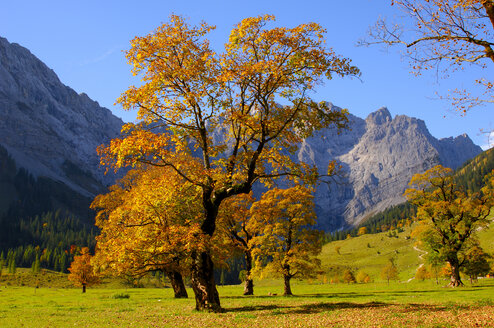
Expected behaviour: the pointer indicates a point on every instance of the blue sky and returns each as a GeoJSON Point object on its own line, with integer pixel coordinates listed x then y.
{"type": "Point", "coordinates": [83, 42]}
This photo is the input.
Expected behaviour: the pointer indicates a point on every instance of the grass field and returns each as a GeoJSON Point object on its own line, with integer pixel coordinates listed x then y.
{"type": "Point", "coordinates": [373, 305]}
{"type": "Point", "coordinates": [405, 303]}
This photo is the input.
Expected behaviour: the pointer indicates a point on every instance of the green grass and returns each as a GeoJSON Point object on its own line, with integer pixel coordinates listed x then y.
{"type": "Point", "coordinates": [315, 304]}
{"type": "Point", "coordinates": [370, 253]}
{"type": "Point", "coordinates": [376, 304]}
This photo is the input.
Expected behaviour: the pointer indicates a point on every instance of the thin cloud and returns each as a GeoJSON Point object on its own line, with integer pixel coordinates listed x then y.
{"type": "Point", "coordinates": [99, 58]}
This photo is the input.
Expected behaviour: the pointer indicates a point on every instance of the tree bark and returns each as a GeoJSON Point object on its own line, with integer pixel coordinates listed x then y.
{"type": "Point", "coordinates": [177, 284]}
{"type": "Point", "coordinates": [455, 273]}
{"type": "Point", "coordinates": [83, 288]}
{"type": "Point", "coordinates": [288, 289]}
{"type": "Point", "coordinates": [249, 283]}
{"type": "Point", "coordinates": [203, 284]}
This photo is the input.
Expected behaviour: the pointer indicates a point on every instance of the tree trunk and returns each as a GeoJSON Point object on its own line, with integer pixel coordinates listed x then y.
{"type": "Point", "coordinates": [203, 284]}
{"type": "Point", "coordinates": [177, 284]}
{"type": "Point", "coordinates": [288, 289]}
{"type": "Point", "coordinates": [83, 288]}
{"type": "Point", "coordinates": [249, 283]}
{"type": "Point", "coordinates": [455, 273]}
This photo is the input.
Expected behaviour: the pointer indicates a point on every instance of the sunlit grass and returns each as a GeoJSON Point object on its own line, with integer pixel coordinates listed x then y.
{"type": "Point", "coordinates": [340, 305]}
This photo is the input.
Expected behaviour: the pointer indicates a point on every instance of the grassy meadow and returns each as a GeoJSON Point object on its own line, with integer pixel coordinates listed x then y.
{"type": "Point", "coordinates": [371, 305]}
{"type": "Point", "coordinates": [317, 302]}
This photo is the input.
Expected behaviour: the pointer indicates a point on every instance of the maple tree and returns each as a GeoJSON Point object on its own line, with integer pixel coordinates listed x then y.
{"type": "Point", "coordinates": [287, 243]}
{"type": "Point", "coordinates": [149, 222]}
{"type": "Point", "coordinates": [476, 263]}
{"type": "Point", "coordinates": [448, 216]}
{"type": "Point", "coordinates": [82, 272]}
{"type": "Point", "coordinates": [444, 35]}
{"type": "Point", "coordinates": [422, 273]}
{"type": "Point", "coordinates": [235, 111]}
{"type": "Point", "coordinates": [389, 271]}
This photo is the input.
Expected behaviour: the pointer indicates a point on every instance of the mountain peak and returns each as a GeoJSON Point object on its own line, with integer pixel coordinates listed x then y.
{"type": "Point", "coordinates": [380, 116]}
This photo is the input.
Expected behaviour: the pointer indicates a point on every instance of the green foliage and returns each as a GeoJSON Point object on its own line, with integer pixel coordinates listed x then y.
{"type": "Point", "coordinates": [471, 175]}
{"type": "Point", "coordinates": [476, 263]}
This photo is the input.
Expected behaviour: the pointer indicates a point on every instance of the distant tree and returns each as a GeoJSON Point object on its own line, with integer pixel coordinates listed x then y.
{"type": "Point", "coordinates": [390, 271]}
{"type": "Point", "coordinates": [476, 263]}
{"type": "Point", "coordinates": [422, 273]}
{"type": "Point", "coordinates": [36, 267]}
{"type": "Point", "coordinates": [288, 243]}
{"type": "Point", "coordinates": [82, 272]}
{"type": "Point", "coordinates": [362, 277]}
{"type": "Point", "coordinates": [348, 276]}
{"type": "Point", "coordinates": [362, 231]}
{"type": "Point", "coordinates": [448, 215]}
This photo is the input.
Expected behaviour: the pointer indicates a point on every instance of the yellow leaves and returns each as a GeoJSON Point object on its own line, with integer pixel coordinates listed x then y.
{"type": "Point", "coordinates": [283, 218]}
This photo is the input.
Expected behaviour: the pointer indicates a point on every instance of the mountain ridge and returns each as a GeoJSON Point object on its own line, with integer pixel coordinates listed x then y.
{"type": "Point", "coordinates": [53, 132]}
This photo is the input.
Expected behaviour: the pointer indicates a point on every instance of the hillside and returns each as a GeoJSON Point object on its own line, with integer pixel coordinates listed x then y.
{"type": "Point", "coordinates": [470, 176]}
{"type": "Point", "coordinates": [371, 252]}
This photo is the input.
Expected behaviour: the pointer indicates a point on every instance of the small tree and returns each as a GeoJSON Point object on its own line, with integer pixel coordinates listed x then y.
{"type": "Point", "coordinates": [81, 270]}
{"type": "Point", "coordinates": [421, 273]}
{"type": "Point", "coordinates": [362, 231]}
{"type": "Point", "coordinates": [390, 271]}
{"type": "Point", "coordinates": [363, 277]}
{"type": "Point", "coordinates": [476, 263]}
{"type": "Point", "coordinates": [348, 276]}
{"type": "Point", "coordinates": [288, 243]}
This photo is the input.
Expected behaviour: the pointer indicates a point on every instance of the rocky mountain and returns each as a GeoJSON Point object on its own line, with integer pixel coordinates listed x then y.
{"type": "Point", "coordinates": [52, 132]}
{"type": "Point", "coordinates": [47, 127]}
{"type": "Point", "coordinates": [378, 156]}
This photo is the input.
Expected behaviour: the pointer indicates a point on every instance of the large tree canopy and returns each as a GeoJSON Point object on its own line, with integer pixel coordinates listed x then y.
{"type": "Point", "coordinates": [449, 216]}
{"type": "Point", "coordinates": [236, 110]}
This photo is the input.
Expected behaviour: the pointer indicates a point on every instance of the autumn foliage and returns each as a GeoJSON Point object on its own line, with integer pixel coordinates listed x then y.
{"type": "Point", "coordinates": [448, 215]}
{"type": "Point", "coordinates": [236, 111]}
{"type": "Point", "coordinates": [288, 243]}
{"type": "Point", "coordinates": [82, 272]}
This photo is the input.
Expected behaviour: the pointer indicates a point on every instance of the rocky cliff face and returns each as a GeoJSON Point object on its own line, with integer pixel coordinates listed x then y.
{"type": "Point", "coordinates": [53, 132]}
{"type": "Point", "coordinates": [47, 127]}
{"type": "Point", "coordinates": [379, 155]}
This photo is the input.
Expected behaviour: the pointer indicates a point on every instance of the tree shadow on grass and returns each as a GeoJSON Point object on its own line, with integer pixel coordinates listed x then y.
{"type": "Point", "coordinates": [254, 308]}
{"type": "Point", "coordinates": [314, 308]}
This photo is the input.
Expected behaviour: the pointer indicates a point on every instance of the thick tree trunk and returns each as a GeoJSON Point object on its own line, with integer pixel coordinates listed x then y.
{"type": "Point", "coordinates": [455, 273]}
{"type": "Point", "coordinates": [203, 284]}
{"type": "Point", "coordinates": [177, 284]}
{"type": "Point", "coordinates": [83, 288]}
{"type": "Point", "coordinates": [249, 283]}
{"type": "Point", "coordinates": [288, 289]}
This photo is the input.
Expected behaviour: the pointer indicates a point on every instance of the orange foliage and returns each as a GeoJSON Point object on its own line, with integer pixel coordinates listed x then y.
{"type": "Point", "coordinates": [82, 272]}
